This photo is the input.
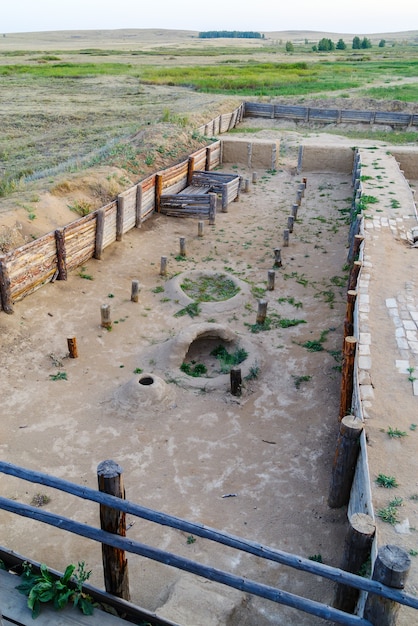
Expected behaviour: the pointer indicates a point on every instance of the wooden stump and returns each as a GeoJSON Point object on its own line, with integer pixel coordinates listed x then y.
{"type": "Point", "coordinates": [236, 381]}
{"type": "Point", "coordinates": [357, 549]}
{"type": "Point", "coordinates": [183, 246]}
{"type": "Point", "coordinates": [286, 238]}
{"type": "Point", "coordinates": [277, 257]}
{"type": "Point", "coordinates": [246, 186]}
{"type": "Point", "coordinates": [354, 273]}
{"type": "Point", "coordinates": [105, 316]}
{"type": "Point", "coordinates": [98, 245]}
{"type": "Point", "coordinates": [254, 177]}
{"type": "Point", "coordinates": [290, 222]}
{"type": "Point", "coordinates": [200, 229]}
{"type": "Point", "coordinates": [120, 212]}
{"type": "Point", "coordinates": [138, 207]}
{"type": "Point", "coordinates": [294, 210]}
{"type": "Point", "coordinates": [72, 347]}
{"type": "Point", "coordinates": [345, 460]}
{"type": "Point", "coordinates": [115, 564]}
{"type": "Point", "coordinates": [261, 312]}
{"type": "Point", "coordinates": [271, 275]}
{"type": "Point", "coordinates": [135, 288]}
{"type": "Point", "coordinates": [163, 266]}
{"type": "Point", "coordinates": [347, 375]}
{"type": "Point", "coordinates": [391, 568]}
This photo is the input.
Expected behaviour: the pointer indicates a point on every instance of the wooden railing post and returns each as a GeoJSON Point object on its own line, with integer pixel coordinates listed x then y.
{"type": "Point", "coordinates": [5, 290]}
{"type": "Point", "coordinates": [115, 564]}
{"type": "Point", "coordinates": [349, 313]}
{"type": "Point", "coordinates": [347, 375]}
{"type": "Point", "coordinates": [61, 253]}
{"type": "Point", "coordinates": [391, 568]}
{"type": "Point", "coordinates": [345, 460]}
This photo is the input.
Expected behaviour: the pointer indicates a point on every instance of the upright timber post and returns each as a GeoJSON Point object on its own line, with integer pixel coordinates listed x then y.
{"type": "Point", "coordinates": [347, 375]}
{"type": "Point", "coordinates": [345, 460]}
{"type": "Point", "coordinates": [391, 568]}
{"type": "Point", "coordinates": [115, 564]}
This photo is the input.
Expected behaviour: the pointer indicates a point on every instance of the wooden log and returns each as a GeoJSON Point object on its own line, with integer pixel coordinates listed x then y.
{"type": "Point", "coordinates": [138, 207]}
{"type": "Point", "coordinates": [391, 568]}
{"type": "Point", "coordinates": [115, 564]}
{"type": "Point", "coordinates": [163, 266]}
{"type": "Point", "coordinates": [347, 375]}
{"type": "Point", "coordinates": [190, 169]}
{"type": "Point", "coordinates": [212, 208]}
{"type": "Point", "coordinates": [358, 240]}
{"type": "Point", "coordinates": [354, 272]}
{"type": "Point", "coordinates": [301, 188]}
{"type": "Point", "coordinates": [72, 347]}
{"type": "Point", "coordinates": [261, 312]}
{"type": "Point", "coordinates": [290, 222]}
{"type": "Point", "coordinates": [271, 275]}
{"type": "Point", "coordinates": [254, 177]}
{"type": "Point", "coordinates": [5, 289]}
{"type": "Point", "coordinates": [236, 381]}
{"type": "Point", "coordinates": [135, 288]}
{"type": "Point", "coordinates": [183, 246]}
{"type": "Point", "coordinates": [345, 460]}
{"type": "Point", "coordinates": [200, 229]}
{"type": "Point", "coordinates": [298, 197]}
{"type": "Point", "coordinates": [349, 313]}
{"type": "Point", "coordinates": [61, 254]}
{"type": "Point", "coordinates": [357, 550]}
{"type": "Point", "coordinates": [294, 210]}
{"type": "Point", "coordinates": [246, 185]}
{"type": "Point", "coordinates": [277, 257]}
{"type": "Point", "coordinates": [120, 211]}
{"type": "Point", "coordinates": [106, 321]}
{"type": "Point", "coordinates": [305, 182]}
{"type": "Point", "coordinates": [286, 238]}
{"type": "Point", "coordinates": [99, 238]}
{"type": "Point", "coordinates": [158, 191]}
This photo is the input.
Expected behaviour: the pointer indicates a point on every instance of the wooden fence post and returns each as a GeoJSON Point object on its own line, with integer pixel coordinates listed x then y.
{"type": "Point", "coordinates": [354, 273]}
{"type": "Point", "coordinates": [5, 290]}
{"type": "Point", "coordinates": [286, 237]}
{"type": "Point", "coordinates": [190, 170]}
{"type": "Point", "coordinates": [294, 210]}
{"type": "Point", "coordinates": [120, 210]}
{"type": "Point", "coordinates": [391, 568]}
{"type": "Point", "coordinates": [200, 229]}
{"type": "Point", "coordinates": [347, 375]}
{"type": "Point", "coordinates": [163, 266]}
{"type": "Point", "coordinates": [135, 291]}
{"type": "Point", "coordinates": [271, 275]}
{"type": "Point", "coordinates": [115, 564]}
{"type": "Point", "coordinates": [277, 257]}
{"type": "Point", "coordinates": [357, 549]}
{"type": "Point", "coordinates": [138, 207]}
{"type": "Point", "coordinates": [98, 245]}
{"type": "Point", "coordinates": [236, 381]}
{"type": "Point", "coordinates": [349, 313]}
{"type": "Point", "coordinates": [254, 177]}
{"type": "Point", "coordinates": [290, 222]}
{"type": "Point", "coordinates": [105, 316]}
{"type": "Point", "coordinates": [72, 347]}
{"type": "Point", "coordinates": [158, 191]}
{"type": "Point", "coordinates": [345, 460]}
{"type": "Point", "coordinates": [212, 208]}
{"type": "Point", "coordinates": [183, 246]}
{"type": "Point", "coordinates": [61, 254]}
{"type": "Point", "coordinates": [261, 312]}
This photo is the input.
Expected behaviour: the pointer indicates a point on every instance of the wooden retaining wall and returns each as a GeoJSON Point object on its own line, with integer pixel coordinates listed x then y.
{"type": "Point", "coordinates": [329, 116]}
{"type": "Point", "coordinates": [315, 158]}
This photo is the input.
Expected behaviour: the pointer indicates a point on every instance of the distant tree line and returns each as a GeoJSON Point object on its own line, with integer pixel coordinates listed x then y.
{"type": "Point", "coordinates": [327, 45]}
{"type": "Point", "coordinates": [231, 34]}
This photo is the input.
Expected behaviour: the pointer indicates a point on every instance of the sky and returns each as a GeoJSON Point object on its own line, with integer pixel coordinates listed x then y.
{"type": "Point", "coordinates": [354, 16]}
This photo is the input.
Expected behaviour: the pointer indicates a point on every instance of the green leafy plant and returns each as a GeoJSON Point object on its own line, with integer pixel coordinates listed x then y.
{"type": "Point", "coordinates": [81, 207]}
{"type": "Point", "coordinates": [253, 373]}
{"type": "Point", "coordinates": [315, 345]}
{"type": "Point", "coordinates": [228, 360]}
{"type": "Point", "coordinates": [191, 539]}
{"type": "Point", "coordinates": [411, 376]}
{"type": "Point", "coordinates": [58, 376]}
{"type": "Point", "coordinates": [194, 369]}
{"type": "Point", "coordinates": [192, 309]}
{"type": "Point", "coordinates": [298, 380]}
{"type": "Point", "coordinates": [82, 274]}
{"type": "Point", "coordinates": [395, 433]}
{"type": "Point", "coordinates": [316, 557]}
{"type": "Point", "coordinates": [138, 370]}
{"type": "Point", "coordinates": [413, 427]}
{"type": "Point", "coordinates": [386, 481]}
{"type": "Point", "coordinates": [389, 513]}
{"type": "Point", "coordinates": [210, 288]}
{"type": "Point", "coordinates": [158, 289]}
{"type": "Point", "coordinates": [42, 587]}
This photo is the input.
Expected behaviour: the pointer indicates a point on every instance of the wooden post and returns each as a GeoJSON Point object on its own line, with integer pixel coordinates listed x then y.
{"type": "Point", "coordinates": [347, 375]}
{"type": "Point", "coordinates": [212, 208]}
{"type": "Point", "coordinates": [183, 246]}
{"type": "Point", "coordinates": [298, 197]}
{"type": "Point", "coordinates": [158, 191]}
{"type": "Point", "coordinates": [290, 222]}
{"type": "Point", "coordinates": [357, 549]}
{"type": "Point", "coordinates": [72, 347]}
{"type": "Point", "coordinates": [98, 245]}
{"type": "Point", "coordinates": [305, 182]}
{"type": "Point", "coordinates": [355, 271]}
{"type": "Point", "coordinates": [138, 207]}
{"type": "Point", "coordinates": [208, 159]}
{"type": "Point", "coordinates": [200, 229]}
{"type": "Point", "coordinates": [120, 210]}
{"type": "Point", "coordinates": [345, 460]}
{"type": "Point", "coordinates": [261, 312]}
{"type": "Point", "coordinates": [358, 240]}
{"type": "Point", "coordinates": [301, 188]}
{"type": "Point", "coordinates": [236, 381]}
{"type": "Point", "coordinates": [105, 315]}
{"type": "Point", "coordinates": [190, 170]}
{"type": "Point", "coordinates": [277, 257]}
{"type": "Point", "coordinates": [294, 209]}
{"type": "Point", "coordinates": [286, 237]}
{"type": "Point", "coordinates": [61, 254]}
{"type": "Point", "coordinates": [271, 275]}
{"type": "Point", "coordinates": [115, 564]}
{"type": "Point", "coordinates": [349, 313]}
{"type": "Point", "coordinates": [391, 568]}
{"type": "Point", "coordinates": [163, 266]}
{"type": "Point", "coordinates": [5, 290]}
{"type": "Point", "coordinates": [135, 291]}
{"type": "Point", "coordinates": [254, 177]}
{"type": "Point", "coordinates": [246, 186]}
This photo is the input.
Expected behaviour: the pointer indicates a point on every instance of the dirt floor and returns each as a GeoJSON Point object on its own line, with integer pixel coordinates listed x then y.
{"type": "Point", "coordinates": [184, 448]}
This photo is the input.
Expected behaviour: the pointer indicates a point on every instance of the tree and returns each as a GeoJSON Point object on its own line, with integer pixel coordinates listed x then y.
{"type": "Point", "coordinates": [366, 43]}
{"type": "Point", "coordinates": [325, 45]}
{"type": "Point", "coordinates": [289, 46]}
{"type": "Point", "coordinates": [341, 45]}
{"type": "Point", "coordinates": [382, 43]}
{"type": "Point", "coordinates": [356, 43]}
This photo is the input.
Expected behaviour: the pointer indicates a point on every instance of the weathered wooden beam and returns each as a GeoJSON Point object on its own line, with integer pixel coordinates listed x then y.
{"type": "Point", "coordinates": [115, 564]}
{"type": "Point", "coordinates": [5, 289]}
{"type": "Point", "coordinates": [138, 207]}
{"type": "Point", "coordinates": [98, 244]}
{"type": "Point", "coordinates": [61, 254]}
{"type": "Point", "coordinates": [120, 214]}
{"type": "Point", "coordinates": [158, 191]}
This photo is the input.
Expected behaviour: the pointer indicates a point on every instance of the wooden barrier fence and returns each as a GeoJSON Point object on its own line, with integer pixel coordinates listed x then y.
{"type": "Point", "coordinates": [375, 588]}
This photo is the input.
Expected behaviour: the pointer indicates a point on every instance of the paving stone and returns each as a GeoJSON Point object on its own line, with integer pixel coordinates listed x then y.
{"type": "Point", "coordinates": [365, 338]}
{"type": "Point", "coordinates": [402, 343]}
{"type": "Point", "coordinates": [415, 387]}
{"type": "Point", "coordinates": [411, 335]}
{"type": "Point", "coordinates": [402, 365]}
{"type": "Point", "coordinates": [400, 332]}
{"type": "Point", "coordinates": [366, 392]}
{"type": "Point", "coordinates": [391, 303]}
{"type": "Point", "coordinates": [409, 325]}
{"type": "Point", "coordinates": [364, 362]}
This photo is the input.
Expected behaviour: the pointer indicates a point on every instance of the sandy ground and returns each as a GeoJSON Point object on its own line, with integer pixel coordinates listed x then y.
{"type": "Point", "coordinates": [272, 448]}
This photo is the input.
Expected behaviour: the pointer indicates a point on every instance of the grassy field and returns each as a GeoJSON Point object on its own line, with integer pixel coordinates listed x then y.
{"type": "Point", "coordinates": [73, 101]}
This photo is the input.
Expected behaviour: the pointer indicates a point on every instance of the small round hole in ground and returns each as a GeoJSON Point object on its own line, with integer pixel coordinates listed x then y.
{"type": "Point", "coordinates": [146, 380]}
